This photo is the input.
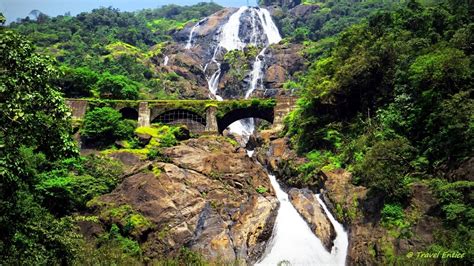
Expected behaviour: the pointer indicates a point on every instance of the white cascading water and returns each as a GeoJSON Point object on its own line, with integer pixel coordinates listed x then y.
{"type": "Point", "coordinates": [165, 60]}
{"type": "Point", "coordinates": [293, 242]}
{"type": "Point", "coordinates": [189, 44]}
{"type": "Point", "coordinates": [230, 40]}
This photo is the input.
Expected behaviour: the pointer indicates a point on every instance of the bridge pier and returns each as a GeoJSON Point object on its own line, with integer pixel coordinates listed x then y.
{"type": "Point", "coordinates": [143, 114]}
{"type": "Point", "coordinates": [78, 108]}
{"type": "Point", "coordinates": [284, 105]}
{"type": "Point", "coordinates": [211, 120]}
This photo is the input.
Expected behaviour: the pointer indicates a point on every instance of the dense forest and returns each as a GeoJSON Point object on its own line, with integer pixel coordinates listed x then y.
{"type": "Point", "coordinates": [388, 96]}
{"type": "Point", "coordinates": [108, 53]}
{"type": "Point", "coordinates": [390, 99]}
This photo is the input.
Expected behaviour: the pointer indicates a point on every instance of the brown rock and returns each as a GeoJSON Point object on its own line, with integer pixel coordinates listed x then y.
{"type": "Point", "coordinates": [301, 11]}
{"type": "Point", "coordinates": [308, 207]}
{"type": "Point", "coordinates": [127, 158]}
{"type": "Point", "coordinates": [143, 138]}
{"type": "Point", "coordinates": [276, 75]}
{"type": "Point", "coordinates": [205, 200]}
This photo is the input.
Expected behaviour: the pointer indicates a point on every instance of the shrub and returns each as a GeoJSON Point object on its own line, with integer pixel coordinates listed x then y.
{"type": "Point", "coordinates": [392, 214]}
{"type": "Point", "coordinates": [261, 189]}
{"type": "Point", "coordinates": [117, 87]}
{"type": "Point", "coordinates": [385, 168]}
{"type": "Point", "coordinates": [103, 126]}
{"type": "Point", "coordinates": [74, 182]}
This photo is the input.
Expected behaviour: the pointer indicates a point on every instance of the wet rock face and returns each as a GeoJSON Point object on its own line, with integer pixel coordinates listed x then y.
{"type": "Point", "coordinates": [195, 66]}
{"type": "Point", "coordinates": [204, 198]}
{"type": "Point", "coordinates": [308, 207]}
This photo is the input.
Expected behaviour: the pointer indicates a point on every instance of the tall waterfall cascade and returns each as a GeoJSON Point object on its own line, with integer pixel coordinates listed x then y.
{"type": "Point", "coordinates": [292, 241]}
{"type": "Point", "coordinates": [263, 33]}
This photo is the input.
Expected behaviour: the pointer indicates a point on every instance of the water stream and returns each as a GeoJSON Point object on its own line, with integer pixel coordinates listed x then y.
{"type": "Point", "coordinates": [189, 44]}
{"type": "Point", "coordinates": [294, 243]}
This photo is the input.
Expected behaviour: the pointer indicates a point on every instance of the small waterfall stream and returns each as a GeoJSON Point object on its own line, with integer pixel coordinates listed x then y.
{"type": "Point", "coordinates": [189, 44]}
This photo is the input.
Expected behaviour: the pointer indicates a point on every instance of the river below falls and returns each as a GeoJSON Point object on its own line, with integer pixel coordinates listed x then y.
{"type": "Point", "coordinates": [293, 242]}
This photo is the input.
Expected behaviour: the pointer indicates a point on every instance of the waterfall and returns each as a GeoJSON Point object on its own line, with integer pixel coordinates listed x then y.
{"type": "Point", "coordinates": [230, 39]}
{"type": "Point", "coordinates": [293, 242]}
{"type": "Point", "coordinates": [165, 60]}
{"type": "Point", "coordinates": [189, 44]}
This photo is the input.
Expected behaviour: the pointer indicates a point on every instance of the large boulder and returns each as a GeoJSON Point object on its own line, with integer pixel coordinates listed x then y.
{"type": "Point", "coordinates": [308, 207]}
{"type": "Point", "coordinates": [204, 197]}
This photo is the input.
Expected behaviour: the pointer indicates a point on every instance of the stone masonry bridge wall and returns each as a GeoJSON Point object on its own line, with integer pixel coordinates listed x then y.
{"type": "Point", "coordinates": [201, 116]}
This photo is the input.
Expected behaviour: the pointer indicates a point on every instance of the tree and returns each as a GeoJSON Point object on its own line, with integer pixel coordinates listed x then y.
{"type": "Point", "coordinates": [103, 126]}
{"type": "Point", "coordinates": [34, 131]}
{"type": "Point", "coordinates": [386, 166]}
{"type": "Point", "coordinates": [2, 19]}
{"type": "Point", "coordinates": [77, 82]}
{"type": "Point", "coordinates": [117, 87]}
{"type": "Point", "coordinates": [32, 111]}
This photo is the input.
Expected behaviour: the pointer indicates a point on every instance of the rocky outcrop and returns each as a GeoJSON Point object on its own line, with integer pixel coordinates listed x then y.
{"type": "Point", "coordinates": [204, 198]}
{"type": "Point", "coordinates": [369, 241]}
{"type": "Point", "coordinates": [192, 66]}
{"type": "Point", "coordinates": [308, 207]}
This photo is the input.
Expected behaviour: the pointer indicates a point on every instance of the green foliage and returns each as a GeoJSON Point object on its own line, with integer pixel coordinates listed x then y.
{"type": "Point", "coordinates": [107, 40]}
{"type": "Point", "coordinates": [456, 201]}
{"type": "Point", "coordinates": [77, 82]}
{"type": "Point", "coordinates": [126, 245]}
{"type": "Point", "coordinates": [73, 182]}
{"type": "Point", "coordinates": [189, 257]}
{"type": "Point", "coordinates": [328, 18]}
{"type": "Point", "coordinates": [34, 133]}
{"type": "Point", "coordinates": [238, 64]}
{"type": "Point", "coordinates": [317, 161]}
{"type": "Point", "coordinates": [117, 87]}
{"type": "Point", "coordinates": [105, 125]}
{"type": "Point", "coordinates": [28, 101]}
{"type": "Point", "coordinates": [386, 167]}
{"type": "Point", "coordinates": [163, 135]}
{"type": "Point", "coordinates": [2, 19]}
{"type": "Point", "coordinates": [39, 238]}
{"type": "Point", "coordinates": [391, 98]}
{"type": "Point", "coordinates": [261, 189]}
{"type": "Point", "coordinates": [393, 215]}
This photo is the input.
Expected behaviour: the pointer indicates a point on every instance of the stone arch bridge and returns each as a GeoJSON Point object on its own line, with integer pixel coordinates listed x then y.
{"type": "Point", "coordinates": [200, 116]}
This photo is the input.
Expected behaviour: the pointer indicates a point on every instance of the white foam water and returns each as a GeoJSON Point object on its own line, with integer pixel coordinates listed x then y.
{"type": "Point", "coordinates": [293, 242]}
{"type": "Point", "coordinates": [229, 39]}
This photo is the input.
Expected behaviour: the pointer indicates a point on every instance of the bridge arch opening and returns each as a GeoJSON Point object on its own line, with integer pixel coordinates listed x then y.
{"type": "Point", "coordinates": [194, 122]}
{"type": "Point", "coordinates": [244, 115]}
{"type": "Point", "coordinates": [129, 113]}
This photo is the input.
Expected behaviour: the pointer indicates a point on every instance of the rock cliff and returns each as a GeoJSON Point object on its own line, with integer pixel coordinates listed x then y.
{"type": "Point", "coordinates": [190, 62]}
{"type": "Point", "coordinates": [203, 196]}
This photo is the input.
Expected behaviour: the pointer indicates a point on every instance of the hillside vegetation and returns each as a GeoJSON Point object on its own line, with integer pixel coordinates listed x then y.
{"type": "Point", "coordinates": [390, 99]}
{"type": "Point", "coordinates": [110, 46]}
{"type": "Point", "coordinates": [388, 96]}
